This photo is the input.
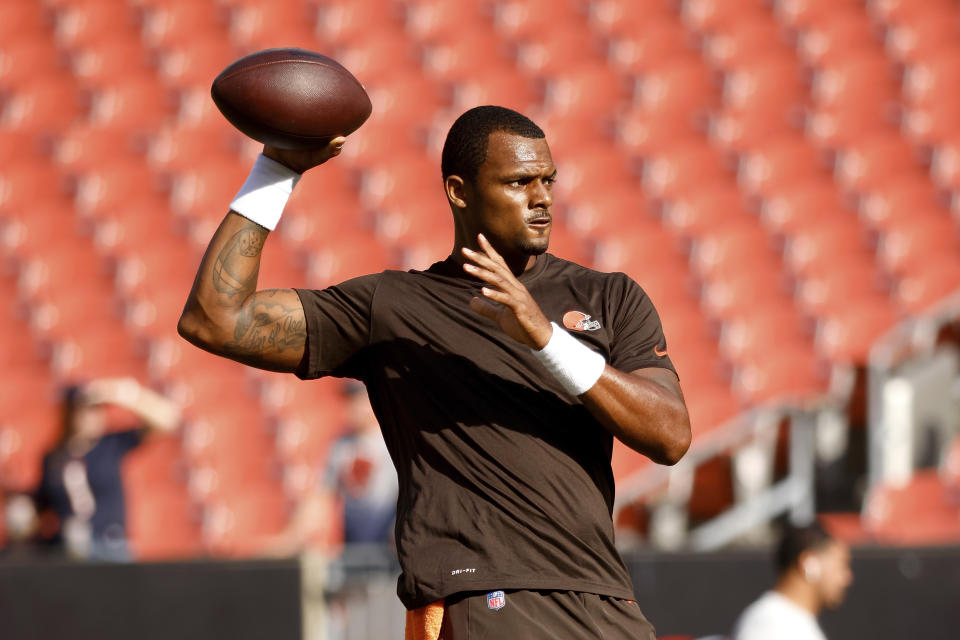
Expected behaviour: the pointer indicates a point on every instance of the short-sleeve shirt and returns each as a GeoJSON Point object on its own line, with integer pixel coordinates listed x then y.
{"type": "Point", "coordinates": [102, 463]}
{"type": "Point", "coordinates": [505, 478]}
{"type": "Point", "coordinates": [775, 617]}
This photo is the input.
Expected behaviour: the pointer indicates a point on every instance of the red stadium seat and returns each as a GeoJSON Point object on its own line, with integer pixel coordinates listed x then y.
{"type": "Point", "coordinates": [617, 210]}
{"type": "Point", "coordinates": [792, 376]}
{"type": "Point", "coordinates": [615, 18]}
{"type": "Point", "coordinates": [839, 284]}
{"type": "Point", "coordinates": [454, 59]}
{"type": "Point", "coordinates": [84, 22]}
{"type": "Point", "coordinates": [919, 513]}
{"type": "Point", "coordinates": [97, 351]}
{"type": "Point", "coordinates": [596, 168]}
{"type": "Point", "coordinates": [915, 37]}
{"type": "Point", "coordinates": [195, 63]}
{"type": "Point", "coordinates": [27, 432]}
{"type": "Point", "coordinates": [25, 19]}
{"type": "Point", "coordinates": [589, 91]}
{"type": "Point", "coordinates": [263, 25]}
{"type": "Point", "coordinates": [648, 46]}
{"type": "Point", "coordinates": [109, 189]}
{"type": "Point", "coordinates": [683, 88]}
{"type": "Point", "coordinates": [176, 149]}
{"type": "Point", "coordinates": [769, 84]}
{"type": "Point", "coordinates": [932, 80]}
{"type": "Point", "coordinates": [725, 297]}
{"type": "Point", "coordinates": [643, 134]}
{"type": "Point", "coordinates": [834, 34]}
{"type": "Point", "coordinates": [930, 124]}
{"type": "Point", "coordinates": [496, 86]}
{"type": "Point", "coordinates": [410, 98]}
{"type": "Point", "coordinates": [241, 524]}
{"type": "Point", "coordinates": [743, 247]}
{"type": "Point", "coordinates": [675, 171]}
{"type": "Point", "coordinates": [399, 176]}
{"type": "Point", "coordinates": [752, 333]}
{"type": "Point", "coordinates": [136, 104]}
{"type": "Point", "coordinates": [47, 104]}
{"type": "Point", "coordinates": [161, 524]}
{"type": "Point", "coordinates": [846, 333]}
{"type": "Point", "coordinates": [341, 21]}
{"type": "Point", "coordinates": [891, 12]}
{"type": "Point", "coordinates": [739, 131]}
{"type": "Point", "coordinates": [554, 51]}
{"type": "Point", "coordinates": [204, 192]}
{"type": "Point", "coordinates": [808, 247]}
{"type": "Point", "coordinates": [781, 162]}
{"type": "Point", "coordinates": [792, 207]}
{"type": "Point", "coordinates": [945, 163]}
{"type": "Point", "coordinates": [895, 200]}
{"type": "Point", "coordinates": [520, 20]}
{"type": "Point", "coordinates": [346, 257]}
{"type": "Point", "coordinates": [432, 20]}
{"type": "Point", "coordinates": [706, 210]}
{"type": "Point", "coordinates": [801, 13]}
{"type": "Point", "coordinates": [929, 283]}
{"type": "Point", "coordinates": [902, 248]}
{"type": "Point", "coordinates": [174, 22]}
{"type": "Point", "coordinates": [83, 148]}
{"type": "Point", "coordinates": [754, 36]}
{"type": "Point", "coordinates": [706, 16]}
{"type": "Point", "coordinates": [48, 227]}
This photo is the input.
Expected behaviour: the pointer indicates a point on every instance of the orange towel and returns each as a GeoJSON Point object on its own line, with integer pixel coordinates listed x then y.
{"type": "Point", "coordinates": [424, 623]}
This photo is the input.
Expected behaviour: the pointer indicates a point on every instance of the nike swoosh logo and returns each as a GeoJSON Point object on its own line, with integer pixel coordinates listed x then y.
{"type": "Point", "coordinates": [658, 351]}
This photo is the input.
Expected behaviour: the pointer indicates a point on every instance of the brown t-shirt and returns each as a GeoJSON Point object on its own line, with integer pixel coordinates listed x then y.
{"type": "Point", "coordinates": [505, 479]}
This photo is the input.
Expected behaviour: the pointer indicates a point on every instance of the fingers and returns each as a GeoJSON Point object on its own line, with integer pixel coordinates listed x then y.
{"type": "Point", "coordinates": [486, 308]}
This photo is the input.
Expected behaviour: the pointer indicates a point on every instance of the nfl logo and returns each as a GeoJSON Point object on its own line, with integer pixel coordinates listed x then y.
{"type": "Point", "coordinates": [496, 600]}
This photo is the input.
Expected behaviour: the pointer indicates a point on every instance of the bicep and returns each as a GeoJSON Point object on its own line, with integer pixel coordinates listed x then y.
{"type": "Point", "coordinates": [270, 331]}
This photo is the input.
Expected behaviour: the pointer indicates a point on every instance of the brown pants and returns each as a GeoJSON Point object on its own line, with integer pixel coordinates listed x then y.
{"type": "Point", "coordinates": [542, 615]}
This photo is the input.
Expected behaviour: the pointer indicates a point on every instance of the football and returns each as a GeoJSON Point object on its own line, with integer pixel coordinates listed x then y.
{"type": "Point", "coordinates": [291, 98]}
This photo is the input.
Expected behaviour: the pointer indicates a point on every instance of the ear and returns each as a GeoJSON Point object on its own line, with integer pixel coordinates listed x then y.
{"type": "Point", "coordinates": [456, 191]}
{"type": "Point", "coordinates": [811, 567]}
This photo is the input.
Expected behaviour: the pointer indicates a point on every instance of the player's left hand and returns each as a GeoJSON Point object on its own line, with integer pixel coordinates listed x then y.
{"type": "Point", "coordinates": [505, 300]}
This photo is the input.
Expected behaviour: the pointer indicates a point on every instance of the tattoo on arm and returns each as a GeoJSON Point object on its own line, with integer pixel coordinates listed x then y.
{"type": "Point", "coordinates": [233, 270]}
{"type": "Point", "coordinates": [268, 325]}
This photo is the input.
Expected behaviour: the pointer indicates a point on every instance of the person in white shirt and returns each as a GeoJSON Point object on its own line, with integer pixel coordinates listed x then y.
{"type": "Point", "coordinates": [814, 573]}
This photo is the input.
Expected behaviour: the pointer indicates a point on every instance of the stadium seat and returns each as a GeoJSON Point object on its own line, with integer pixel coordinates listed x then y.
{"type": "Point", "coordinates": [240, 524]}
{"type": "Point", "coordinates": [945, 163]}
{"type": "Point", "coordinates": [743, 40]}
{"type": "Point", "coordinates": [195, 63]}
{"type": "Point", "coordinates": [781, 162]}
{"type": "Point", "coordinates": [204, 191]}
{"type": "Point", "coordinates": [262, 25]}
{"type": "Point", "coordinates": [770, 84]}
{"type": "Point", "coordinates": [614, 18]}
{"type": "Point", "coordinates": [744, 247]}
{"type": "Point", "coordinates": [643, 134]}
{"type": "Point", "coordinates": [495, 86]}
{"type": "Point", "coordinates": [518, 20]}
{"type": "Point", "coordinates": [84, 22]}
{"type": "Point", "coordinates": [136, 104]}
{"type": "Point", "coordinates": [175, 22]}
{"type": "Point", "coordinates": [554, 51]}
{"type": "Point", "coordinates": [84, 148]}
{"type": "Point", "coordinates": [612, 210]}
{"type": "Point", "coordinates": [175, 149]}
{"type": "Point", "coordinates": [455, 60]}
{"type": "Point", "coordinates": [838, 284]}
{"type": "Point", "coordinates": [915, 37]}
{"type": "Point", "coordinates": [808, 247]}
{"type": "Point", "coordinates": [161, 524]}
{"type": "Point", "coordinates": [411, 98]}
{"type": "Point", "coordinates": [109, 188]}
{"type": "Point", "coordinates": [738, 131]}
{"type": "Point", "coordinates": [706, 210]}
{"type": "Point", "coordinates": [400, 176]}
{"type": "Point", "coordinates": [648, 46]}
{"type": "Point", "coordinates": [44, 105]}
{"type": "Point", "coordinates": [433, 20]}
{"type": "Point", "coordinates": [895, 200]}
{"type": "Point", "coordinates": [834, 34]}
{"type": "Point", "coordinates": [727, 296]}
{"type": "Point", "coordinates": [800, 13]}
{"type": "Point", "coordinates": [931, 80]}
{"type": "Point", "coordinates": [846, 333]}
{"type": "Point", "coordinates": [758, 332]}
{"type": "Point", "coordinates": [891, 12]}
{"type": "Point", "coordinates": [903, 247]}
{"type": "Point", "coordinates": [673, 172]}
{"type": "Point", "coordinates": [349, 256]}
{"type": "Point", "coordinates": [792, 376]}
{"type": "Point", "coordinates": [930, 124]}
{"type": "Point", "coordinates": [109, 58]}
{"type": "Point", "coordinates": [919, 513]}
{"type": "Point", "coordinates": [794, 206]}
{"type": "Point", "coordinates": [49, 226]}
{"type": "Point", "coordinates": [341, 21]}
{"type": "Point", "coordinates": [97, 351]}
{"type": "Point", "coordinates": [929, 283]}
{"type": "Point", "coordinates": [705, 16]}
{"type": "Point", "coordinates": [27, 432]}
{"type": "Point", "coordinates": [25, 19]}
{"type": "Point", "coordinates": [587, 90]}
{"type": "Point", "coordinates": [683, 88]}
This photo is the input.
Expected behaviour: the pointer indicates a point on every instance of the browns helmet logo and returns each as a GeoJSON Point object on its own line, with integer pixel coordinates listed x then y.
{"type": "Point", "coordinates": [579, 321]}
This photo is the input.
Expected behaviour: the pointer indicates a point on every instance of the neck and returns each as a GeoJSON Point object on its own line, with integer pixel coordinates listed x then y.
{"type": "Point", "coordinates": [799, 591]}
{"type": "Point", "coordinates": [518, 263]}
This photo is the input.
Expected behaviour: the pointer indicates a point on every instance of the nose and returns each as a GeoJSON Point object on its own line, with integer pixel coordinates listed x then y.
{"type": "Point", "coordinates": [541, 197]}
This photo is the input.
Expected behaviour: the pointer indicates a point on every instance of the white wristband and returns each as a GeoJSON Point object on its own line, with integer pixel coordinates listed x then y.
{"type": "Point", "coordinates": [265, 193]}
{"type": "Point", "coordinates": [573, 364]}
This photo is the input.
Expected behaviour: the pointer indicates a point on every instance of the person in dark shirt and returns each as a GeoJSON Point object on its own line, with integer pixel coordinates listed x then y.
{"type": "Point", "coordinates": [81, 482]}
{"type": "Point", "coordinates": [499, 376]}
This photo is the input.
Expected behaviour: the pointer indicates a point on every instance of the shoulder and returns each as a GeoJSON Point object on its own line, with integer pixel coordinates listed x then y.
{"type": "Point", "coordinates": [561, 268]}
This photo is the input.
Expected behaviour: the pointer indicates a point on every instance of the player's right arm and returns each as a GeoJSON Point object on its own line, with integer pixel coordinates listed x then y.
{"type": "Point", "coordinates": [225, 314]}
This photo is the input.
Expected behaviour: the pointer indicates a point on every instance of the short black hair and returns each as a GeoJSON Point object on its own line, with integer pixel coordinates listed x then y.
{"type": "Point", "coordinates": [797, 540]}
{"type": "Point", "coordinates": [465, 148]}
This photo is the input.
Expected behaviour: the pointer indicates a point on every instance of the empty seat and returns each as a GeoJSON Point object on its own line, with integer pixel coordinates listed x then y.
{"type": "Point", "coordinates": [782, 162]}
{"type": "Point", "coordinates": [587, 90]}
{"type": "Point", "coordinates": [520, 20]}
{"type": "Point", "coordinates": [110, 58]}
{"type": "Point", "coordinates": [903, 247]}
{"type": "Point", "coordinates": [614, 18]}
{"type": "Point", "coordinates": [255, 26]}
{"type": "Point", "coordinates": [930, 124]}
{"type": "Point", "coordinates": [738, 131]}
{"type": "Point", "coordinates": [108, 189]}
{"type": "Point", "coordinates": [839, 284]}
{"type": "Point", "coordinates": [683, 87]}
{"type": "Point", "coordinates": [343, 21]}
{"type": "Point", "coordinates": [811, 246]}
{"type": "Point", "coordinates": [769, 84]}
{"type": "Point", "coordinates": [705, 210]}
{"type": "Point", "coordinates": [801, 13]}
{"type": "Point", "coordinates": [727, 296]}
{"type": "Point", "coordinates": [791, 375]}
{"type": "Point", "coordinates": [743, 247]}
{"type": "Point", "coordinates": [919, 513]}
{"type": "Point", "coordinates": [675, 171]}
{"type": "Point", "coordinates": [194, 63]}
{"type": "Point", "coordinates": [454, 59]}
{"type": "Point", "coordinates": [891, 12]}
{"type": "Point", "coordinates": [896, 199]}
{"type": "Point", "coordinates": [644, 134]}
{"type": "Point", "coordinates": [47, 104]}
{"type": "Point", "coordinates": [914, 37]}
{"type": "Point", "coordinates": [82, 22]}
{"type": "Point", "coordinates": [647, 47]}
{"type": "Point", "coordinates": [706, 16]}
{"type": "Point", "coordinates": [241, 523]}
{"type": "Point", "coordinates": [846, 334]}
{"type": "Point", "coordinates": [834, 34]}
{"type": "Point", "coordinates": [928, 283]}
{"type": "Point", "coordinates": [432, 20]}
{"type": "Point", "coordinates": [754, 36]}
{"type": "Point", "coordinates": [137, 104]}
{"type": "Point", "coordinates": [554, 51]}
{"type": "Point", "coordinates": [931, 80]}
{"type": "Point", "coordinates": [346, 257]}
{"type": "Point", "coordinates": [174, 22]}
{"type": "Point", "coordinates": [801, 205]}
{"type": "Point", "coordinates": [501, 86]}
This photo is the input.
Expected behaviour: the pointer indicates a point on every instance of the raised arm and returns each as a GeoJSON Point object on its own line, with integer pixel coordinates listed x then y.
{"type": "Point", "coordinates": [224, 313]}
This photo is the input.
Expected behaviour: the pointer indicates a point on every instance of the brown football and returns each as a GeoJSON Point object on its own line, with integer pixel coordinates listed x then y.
{"type": "Point", "coordinates": [290, 98]}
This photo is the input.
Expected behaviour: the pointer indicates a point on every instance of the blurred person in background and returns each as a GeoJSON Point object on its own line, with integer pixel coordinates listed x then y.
{"type": "Point", "coordinates": [81, 483]}
{"type": "Point", "coordinates": [359, 475]}
{"type": "Point", "coordinates": [814, 573]}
